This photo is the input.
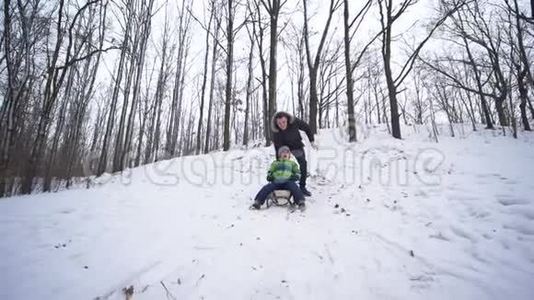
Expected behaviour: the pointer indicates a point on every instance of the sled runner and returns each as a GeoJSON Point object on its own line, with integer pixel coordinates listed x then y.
{"type": "Point", "coordinates": [282, 198]}
{"type": "Point", "coordinates": [279, 198]}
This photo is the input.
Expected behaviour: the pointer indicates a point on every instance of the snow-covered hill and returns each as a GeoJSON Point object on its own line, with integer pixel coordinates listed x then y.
{"type": "Point", "coordinates": [389, 219]}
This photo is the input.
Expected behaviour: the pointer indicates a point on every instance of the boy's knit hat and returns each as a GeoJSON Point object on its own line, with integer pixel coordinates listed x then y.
{"type": "Point", "coordinates": [283, 149]}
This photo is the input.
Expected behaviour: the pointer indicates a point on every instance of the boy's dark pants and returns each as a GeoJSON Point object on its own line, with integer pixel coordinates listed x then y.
{"type": "Point", "coordinates": [287, 185]}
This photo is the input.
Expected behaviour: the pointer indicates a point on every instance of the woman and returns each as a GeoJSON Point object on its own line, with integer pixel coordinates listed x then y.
{"type": "Point", "coordinates": [285, 131]}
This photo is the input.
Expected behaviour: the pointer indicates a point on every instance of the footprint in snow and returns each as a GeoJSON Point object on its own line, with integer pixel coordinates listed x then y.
{"type": "Point", "coordinates": [509, 200]}
{"type": "Point", "coordinates": [521, 228]}
{"type": "Point", "coordinates": [462, 233]}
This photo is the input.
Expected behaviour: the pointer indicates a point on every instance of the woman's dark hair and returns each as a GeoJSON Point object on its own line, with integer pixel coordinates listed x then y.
{"type": "Point", "coordinates": [281, 115]}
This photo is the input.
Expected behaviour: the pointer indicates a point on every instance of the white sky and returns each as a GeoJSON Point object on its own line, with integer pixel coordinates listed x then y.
{"type": "Point", "coordinates": [317, 10]}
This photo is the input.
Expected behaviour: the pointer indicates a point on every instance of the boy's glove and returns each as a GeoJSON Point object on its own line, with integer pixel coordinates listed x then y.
{"type": "Point", "coordinates": [270, 178]}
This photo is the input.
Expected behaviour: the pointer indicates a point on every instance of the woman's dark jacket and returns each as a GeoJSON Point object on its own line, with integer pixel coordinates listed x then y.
{"type": "Point", "coordinates": [290, 136]}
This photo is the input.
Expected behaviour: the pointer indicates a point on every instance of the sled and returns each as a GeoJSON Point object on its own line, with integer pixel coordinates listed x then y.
{"type": "Point", "coordinates": [279, 198]}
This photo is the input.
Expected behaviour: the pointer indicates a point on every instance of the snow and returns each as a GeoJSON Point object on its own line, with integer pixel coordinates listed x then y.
{"type": "Point", "coordinates": [389, 219]}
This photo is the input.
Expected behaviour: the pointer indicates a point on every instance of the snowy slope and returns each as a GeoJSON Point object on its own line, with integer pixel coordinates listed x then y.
{"type": "Point", "coordinates": [413, 220]}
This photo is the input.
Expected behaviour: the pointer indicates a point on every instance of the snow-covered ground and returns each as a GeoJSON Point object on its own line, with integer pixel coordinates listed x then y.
{"type": "Point", "coordinates": [389, 219]}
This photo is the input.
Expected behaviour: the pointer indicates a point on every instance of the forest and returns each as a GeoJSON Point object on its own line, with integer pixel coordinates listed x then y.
{"type": "Point", "coordinates": [100, 86]}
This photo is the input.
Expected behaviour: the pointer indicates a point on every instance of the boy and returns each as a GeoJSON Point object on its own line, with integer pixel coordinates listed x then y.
{"type": "Point", "coordinates": [282, 176]}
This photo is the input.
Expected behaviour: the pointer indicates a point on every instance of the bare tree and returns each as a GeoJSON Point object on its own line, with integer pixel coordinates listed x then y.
{"type": "Point", "coordinates": [204, 79]}
{"type": "Point", "coordinates": [154, 134]}
{"type": "Point", "coordinates": [173, 127]}
{"type": "Point", "coordinates": [388, 16]}
{"type": "Point", "coordinates": [314, 62]}
{"type": "Point", "coordinates": [273, 8]}
{"type": "Point", "coordinates": [347, 24]}
{"type": "Point", "coordinates": [521, 49]}
{"type": "Point", "coordinates": [249, 88]}
{"type": "Point", "coordinates": [265, 100]}
{"type": "Point", "coordinates": [231, 32]}
{"type": "Point", "coordinates": [102, 165]}
{"type": "Point", "coordinates": [212, 79]}
{"type": "Point", "coordinates": [55, 76]}
{"type": "Point", "coordinates": [294, 44]}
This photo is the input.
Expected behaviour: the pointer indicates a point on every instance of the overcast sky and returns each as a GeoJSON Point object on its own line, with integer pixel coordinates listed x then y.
{"type": "Point", "coordinates": [421, 13]}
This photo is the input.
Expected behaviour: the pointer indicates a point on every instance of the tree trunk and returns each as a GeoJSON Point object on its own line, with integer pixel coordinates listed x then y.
{"type": "Point", "coordinates": [265, 99]}
{"type": "Point", "coordinates": [54, 80]}
{"type": "Point", "coordinates": [249, 90]}
{"type": "Point", "coordinates": [126, 154]}
{"type": "Point", "coordinates": [523, 95]}
{"type": "Point", "coordinates": [272, 56]}
{"type": "Point", "coordinates": [154, 136]}
{"type": "Point", "coordinates": [348, 69]}
{"type": "Point", "coordinates": [203, 88]}
{"type": "Point", "coordinates": [119, 139]}
{"type": "Point", "coordinates": [501, 114]}
{"type": "Point", "coordinates": [102, 164]}
{"type": "Point", "coordinates": [176, 106]}
{"type": "Point", "coordinates": [229, 74]}
{"type": "Point", "coordinates": [58, 132]}
{"type": "Point", "coordinates": [8, 113]}
{"type": "Point", "coordinates": [314, 63]}
{"type": "Point", "coordinates": [86, 93]}
{"type": "Point", "coordinates": [392, 88]}
{"type": "Point", "coordinates": [212, 87]}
